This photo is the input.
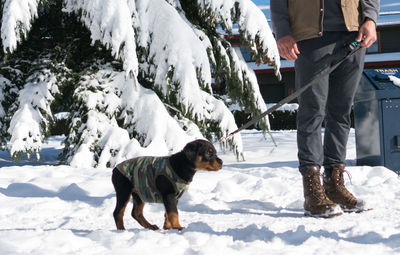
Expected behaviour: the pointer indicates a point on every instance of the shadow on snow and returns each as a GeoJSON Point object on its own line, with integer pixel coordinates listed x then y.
{"type": "Point", "coordinates": [299, 236]}
{"type": "Point", "coordinates": [69, 193]}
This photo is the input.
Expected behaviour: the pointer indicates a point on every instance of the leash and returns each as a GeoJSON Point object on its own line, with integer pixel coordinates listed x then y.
{"type": "Point", "coordinates": [352, 47]}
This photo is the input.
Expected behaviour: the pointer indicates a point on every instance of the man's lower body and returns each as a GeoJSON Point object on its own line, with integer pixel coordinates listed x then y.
{"type": "Point", "coordinates": [329, 101]}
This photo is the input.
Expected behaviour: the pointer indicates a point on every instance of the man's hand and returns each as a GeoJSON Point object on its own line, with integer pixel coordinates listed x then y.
{"type": "Point", "coordinates": [367, 33]}
{"type": "Point", "coordinates": [287, 48]}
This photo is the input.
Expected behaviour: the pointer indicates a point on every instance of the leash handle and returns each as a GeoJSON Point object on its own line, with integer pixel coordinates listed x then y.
{"type": "Point", "coordinates": [353, 47]}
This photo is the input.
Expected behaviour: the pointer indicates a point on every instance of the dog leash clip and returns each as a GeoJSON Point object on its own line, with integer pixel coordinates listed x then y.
{"type": "Point", "coordinates": [354, 46]}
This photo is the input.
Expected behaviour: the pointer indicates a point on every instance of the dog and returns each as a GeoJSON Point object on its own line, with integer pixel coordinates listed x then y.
{"type": "Point", "coordinates": [160, 180]}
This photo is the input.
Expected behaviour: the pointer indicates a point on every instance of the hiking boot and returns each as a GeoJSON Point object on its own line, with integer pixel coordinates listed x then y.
{"type": "Point", "coordinates": [316, 203]}
{"type": "Point", "coordinates": [337, 192]}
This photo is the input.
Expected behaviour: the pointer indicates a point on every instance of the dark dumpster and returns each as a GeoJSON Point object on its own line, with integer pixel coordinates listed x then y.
{"type": "Point", "coordinates": [377, 119]}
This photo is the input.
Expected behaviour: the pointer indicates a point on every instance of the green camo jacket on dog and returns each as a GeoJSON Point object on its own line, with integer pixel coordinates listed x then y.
{"type": "Point", "coordinates": [143, 171]}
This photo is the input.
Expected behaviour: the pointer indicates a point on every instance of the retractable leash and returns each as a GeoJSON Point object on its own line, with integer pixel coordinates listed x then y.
{"type": "Point", "coordinates": [352, 47]}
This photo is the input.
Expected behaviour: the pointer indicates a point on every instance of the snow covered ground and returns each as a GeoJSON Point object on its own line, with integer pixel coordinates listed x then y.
{"type": "Point", "coordinates": [251, 207]}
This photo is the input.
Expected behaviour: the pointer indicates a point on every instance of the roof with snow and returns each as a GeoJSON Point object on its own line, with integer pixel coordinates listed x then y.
{"type": "Point", "coordinates": [389, 13]}
{"type": "Point", "coordinates": [370, 60]}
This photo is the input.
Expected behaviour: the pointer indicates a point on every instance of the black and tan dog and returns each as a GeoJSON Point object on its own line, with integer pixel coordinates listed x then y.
{"type": "Point", "coordinates": [160, 180]}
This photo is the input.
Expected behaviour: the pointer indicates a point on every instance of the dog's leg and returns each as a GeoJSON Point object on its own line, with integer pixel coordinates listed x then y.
{"type": "Point", "coordinates": [171, 212]}
{"type": "Point", "coordinates": [137, 213]}
{"type": "Point", "coordinates": [123, 189]}
{"type": "Point", "coordinates": [167, 223]}
{"type": "Point", "coordinates": [170, 202]}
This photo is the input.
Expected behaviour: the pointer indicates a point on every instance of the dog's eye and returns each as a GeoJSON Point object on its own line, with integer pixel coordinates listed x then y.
{"type": "Point", "coordinates": [210, 154]}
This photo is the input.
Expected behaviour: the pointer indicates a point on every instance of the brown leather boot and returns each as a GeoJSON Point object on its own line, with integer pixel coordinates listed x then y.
{"type": "Point", "coordinates": [337, 192]}
{"type": "Point", "coordinates": [316, 203]}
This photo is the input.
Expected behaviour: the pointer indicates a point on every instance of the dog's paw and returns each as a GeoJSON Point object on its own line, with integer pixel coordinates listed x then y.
{"type": "Point", "coordinates": [153, 227]}
{"type": "Point", "coordinates": [179, 227]}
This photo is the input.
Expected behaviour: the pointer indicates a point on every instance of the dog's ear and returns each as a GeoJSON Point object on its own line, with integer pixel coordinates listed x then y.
{"type": "Point", "coordinates": [191, 150]}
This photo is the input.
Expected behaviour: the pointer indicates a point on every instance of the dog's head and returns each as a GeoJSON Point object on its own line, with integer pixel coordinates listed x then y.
{"type": "Point", "coordinates": [203, 154]}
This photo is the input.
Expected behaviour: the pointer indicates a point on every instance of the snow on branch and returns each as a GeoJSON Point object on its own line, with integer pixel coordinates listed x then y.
{"type": "Point", "coordinates": [248, 78]}
{"type": "Point", "coordinates": [118, 108]}
{"type": "Point", "coordinates": [93, 115]}
{"type": "Point", "coordinates": [175, 52]}
{"type": "Point", "coordinates": [144, 113]}
{"type": "Point", "coordinates": [253, 27]}
{"type": "Point", "coordinates": [106, 97]}
{"type": "Point", "coordinates": [218, 112]}
{"type": "Point", "coordinates": [31, 120]}
{"type": "Point", "coordinates": [240, 81]}
{"type": "Point", "coordinates": [173, 47]}
{"type": "Point", "coordinates": [16, 22]}
{"type": "Point", "coordinates": [178, 59]}
{"type": "Point", "coordinates": [110, 22]}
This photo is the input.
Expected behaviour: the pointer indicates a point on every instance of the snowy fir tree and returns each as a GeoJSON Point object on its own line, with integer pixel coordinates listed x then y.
{"type": "Point", "coordinates": [134, 76]}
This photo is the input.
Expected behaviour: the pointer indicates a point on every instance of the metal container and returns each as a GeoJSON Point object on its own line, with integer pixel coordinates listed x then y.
{"type": "Point", "coordinates": [377, 119]}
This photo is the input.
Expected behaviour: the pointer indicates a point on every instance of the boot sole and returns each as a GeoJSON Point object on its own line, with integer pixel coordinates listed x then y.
{"type": "Point", "coordinates": [357, 210]}
{"type": "Point", "coordinates": [323, 215]}
{"type": "Point", "coordinates": [360, 207]}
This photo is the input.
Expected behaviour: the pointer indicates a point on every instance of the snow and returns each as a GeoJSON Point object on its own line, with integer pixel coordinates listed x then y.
{"type": "Point", "coordinates": [16, 21]}
{"type": "Point", "coordinates": [177, 60]}
{"type": "Point", "coordinates": [286, 107]}
{"type": "Point", "coordinates": [24, 139]}
{"type": "Point", "coordinates": [108, 22]}
{"type": "Point", "coordinates": [108, 93]}
{"type": "Point", "coordinates": [395, 80]}
{"type": "Point", "coordinates": [156, 42]}
{"type": "Point", "coordinates": [251, 23]}
{"type": "Point", "coordinates": [240, 64]}
{"type": "Point", "coordinates": [61, 116]}
{"type": "Point", "coordinates": [180, 52]}
{"type": "Point", "coordinates": [27, 124]}
{"type": "Point", "coordinates": [249, 207]}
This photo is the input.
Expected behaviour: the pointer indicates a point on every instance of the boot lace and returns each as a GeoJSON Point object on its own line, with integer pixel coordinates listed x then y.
{"type": "Point", "coordinates": [348, 175]}
{"type": "Point", "coordinates": [340, 185]}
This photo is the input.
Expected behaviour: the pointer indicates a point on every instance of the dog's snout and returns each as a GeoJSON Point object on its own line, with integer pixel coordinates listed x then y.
{"type": "Point", "coordinates": [220, 161]}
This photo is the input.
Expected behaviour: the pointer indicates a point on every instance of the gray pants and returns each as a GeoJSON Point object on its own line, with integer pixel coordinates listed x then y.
{"type": "Point", "coordinates": [330, 100]}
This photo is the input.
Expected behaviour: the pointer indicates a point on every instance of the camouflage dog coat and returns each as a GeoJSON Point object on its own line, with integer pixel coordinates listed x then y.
{"type": "Point", "coordinates": [143, 171]}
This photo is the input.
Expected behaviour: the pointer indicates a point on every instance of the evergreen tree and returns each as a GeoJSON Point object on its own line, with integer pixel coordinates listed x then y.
{"type": "Point", "coordinates": [134, 75]}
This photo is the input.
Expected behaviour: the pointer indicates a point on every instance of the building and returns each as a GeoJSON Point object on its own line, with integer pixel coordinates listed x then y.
{"type": "Point", "coordinates": [385, 53]}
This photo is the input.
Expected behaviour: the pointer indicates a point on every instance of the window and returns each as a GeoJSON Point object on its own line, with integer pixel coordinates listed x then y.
{"type": "Point", "coordinates": [374, 48]}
